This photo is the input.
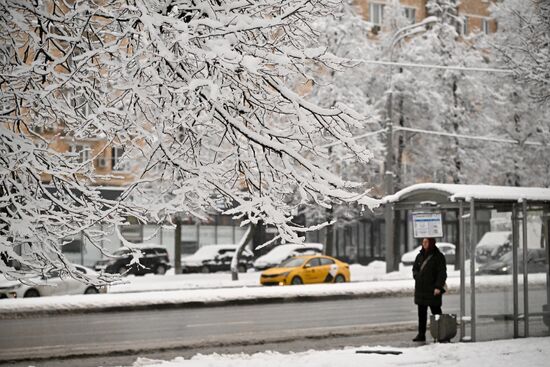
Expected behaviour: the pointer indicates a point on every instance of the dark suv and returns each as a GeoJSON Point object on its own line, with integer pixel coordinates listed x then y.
{"type": "Point", "coordinates": [153, 259]}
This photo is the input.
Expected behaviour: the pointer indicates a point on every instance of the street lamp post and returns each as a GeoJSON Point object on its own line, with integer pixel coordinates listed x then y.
{"type": "Point", "coordinates": [392, 251]}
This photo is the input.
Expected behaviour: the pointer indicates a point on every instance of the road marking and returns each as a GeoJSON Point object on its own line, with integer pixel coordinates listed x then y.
{"type": "Point", "coordinates": [218, 324]}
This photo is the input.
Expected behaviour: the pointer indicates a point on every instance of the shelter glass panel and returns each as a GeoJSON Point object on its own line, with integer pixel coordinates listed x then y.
{"type": "Point", "coordinates": [538, 295]}
{"type": "Point", "coordinates": [494, 284]}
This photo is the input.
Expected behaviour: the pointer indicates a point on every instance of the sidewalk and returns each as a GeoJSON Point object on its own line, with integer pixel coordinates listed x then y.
{"type": "Point", "coordinates": [532, 352]}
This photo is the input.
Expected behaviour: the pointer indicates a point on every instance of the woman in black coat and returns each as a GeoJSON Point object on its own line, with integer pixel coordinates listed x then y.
{"type": "Point", "coordinates": [430, 274]}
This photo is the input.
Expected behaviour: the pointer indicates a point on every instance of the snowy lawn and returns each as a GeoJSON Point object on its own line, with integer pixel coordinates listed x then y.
{"type": "Point", "coordinates": [532, 352]}
{"type": "Point", "coordinates": [245, 290]}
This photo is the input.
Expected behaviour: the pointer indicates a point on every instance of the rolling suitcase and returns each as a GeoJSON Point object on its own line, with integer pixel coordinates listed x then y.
{"type": "Point", "coordinates": [443, 327]}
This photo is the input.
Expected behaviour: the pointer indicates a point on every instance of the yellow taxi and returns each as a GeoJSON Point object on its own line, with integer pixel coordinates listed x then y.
{"type": "Point", "coordinates": [307, 270]}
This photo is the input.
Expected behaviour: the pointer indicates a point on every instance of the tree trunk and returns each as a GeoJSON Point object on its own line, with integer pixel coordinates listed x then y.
{"type": "Point", "coordinates": [457, 172]}
{"type": "Point", "coordinates": [235, 260]}
{"type": "Point", "coordinates": [329, 240]}
{"type": "Point", "coordinates": [177, 247]}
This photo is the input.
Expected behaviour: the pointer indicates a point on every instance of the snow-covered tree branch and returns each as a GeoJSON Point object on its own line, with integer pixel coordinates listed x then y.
{"type": "Point", "coordinates": [197, 93]}
{"type": "Point", "coordinates": [525, 43]}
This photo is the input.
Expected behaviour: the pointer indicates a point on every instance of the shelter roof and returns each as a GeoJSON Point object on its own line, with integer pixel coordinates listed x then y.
{"type": "Point", "coordinates": [457, 192]}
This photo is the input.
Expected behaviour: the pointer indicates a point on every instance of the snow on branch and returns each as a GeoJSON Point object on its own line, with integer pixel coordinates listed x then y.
{"type": "Point", "coordinates": [195, 94]}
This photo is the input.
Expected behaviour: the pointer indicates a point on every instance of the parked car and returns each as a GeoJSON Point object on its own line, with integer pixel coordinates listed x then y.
{"type": "Point", "coordinates": [282, 252]}
{"type": "Point", "coordinates": [212, 258]}
{"type": "Point", "coordinates": [307, 270]}
{"type": "Point", "coordinates": [152, 259]}
{"type": "Point", "coordinates": [53, 284]}
{"type": "Point", "coordinates": [446, 248]}
{"type": "Point", "coordinates": [492, 246]}
{"type": "Point", "coordinates": [536, 263]}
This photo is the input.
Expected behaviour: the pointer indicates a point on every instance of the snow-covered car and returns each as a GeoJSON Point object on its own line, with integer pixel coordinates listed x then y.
{"type": "Point", "coordinates": [51, 285]}
{"type": "Point", "coordinates": [446, 248]}
{"type": "Point", "coordinates": [492, 246]}
{"type": "Point", "coordinates": [153, 259]}
{"type": "Point", "coordinates": [282, 252]}
{"type": "Point", "coordinates": [536, 263]}
{"type": "Point", "coordinates": [212, 258]}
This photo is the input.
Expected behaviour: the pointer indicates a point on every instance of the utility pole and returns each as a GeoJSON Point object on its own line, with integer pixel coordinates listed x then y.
{"type": "Point", "coordinates": [392, 249]}
{"type": "Point", "coordinates": [388, 183]}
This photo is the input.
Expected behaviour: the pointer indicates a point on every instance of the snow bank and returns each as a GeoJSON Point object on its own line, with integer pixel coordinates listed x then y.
{"type": "Point", "coordinates": [242, 293]}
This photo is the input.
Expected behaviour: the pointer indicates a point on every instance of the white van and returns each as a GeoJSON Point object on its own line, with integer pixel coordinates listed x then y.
{"type": "Point", "coordinates": [492, 246]}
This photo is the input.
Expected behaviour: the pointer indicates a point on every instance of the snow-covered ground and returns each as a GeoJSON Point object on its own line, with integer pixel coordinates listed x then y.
{"type": "Point", "coordinates": [359, 273]}
{"type": "Point", "coordinates": [197, 289]}
{"type": "Point", "coordinates": [375, 271]}
{"type": "Point", "coordinates": [532, 352]}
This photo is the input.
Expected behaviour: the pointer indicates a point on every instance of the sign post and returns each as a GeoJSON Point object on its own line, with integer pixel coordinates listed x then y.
{"type": "Point", "coordinates": [427, 225]}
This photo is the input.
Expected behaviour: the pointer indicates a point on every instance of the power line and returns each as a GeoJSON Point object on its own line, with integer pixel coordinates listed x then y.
{"type": "Point", "coordinates": [433, 66]}
{"type": "Point", "coordinates": [440, 133]}
{"type": "Point", "coordinates": [356, 138]}
{"type": "Point", "coordinates": [471, 137]}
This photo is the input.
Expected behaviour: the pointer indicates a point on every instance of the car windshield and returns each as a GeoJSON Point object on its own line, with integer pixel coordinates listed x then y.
{"type": "Point", "coordinates": [292, 263]}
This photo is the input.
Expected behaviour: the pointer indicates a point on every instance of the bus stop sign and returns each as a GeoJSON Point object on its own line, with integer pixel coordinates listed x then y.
{"type": "Point", "coordinates": [427, 225]}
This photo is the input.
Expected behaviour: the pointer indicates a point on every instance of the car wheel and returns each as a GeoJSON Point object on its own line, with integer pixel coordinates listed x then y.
{"type": "Point", "coordinates": [91, 290]}
{"type": "Point", "coordinates": [296, 281]}
{"type": "Point", "coordinates": [339, 279]}
{"type": "Point", "coordinates": [31, 293]}
{"type": "Point", "coordinates": [160, 270]}
{"type": "Point", "coordinates": [241, 269]}
{"type": "Point", "coordinates": [205, 269]}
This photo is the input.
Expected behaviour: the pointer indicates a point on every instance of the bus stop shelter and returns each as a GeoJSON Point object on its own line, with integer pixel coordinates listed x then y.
{"type": "Point", "coordinates": [500, 298]}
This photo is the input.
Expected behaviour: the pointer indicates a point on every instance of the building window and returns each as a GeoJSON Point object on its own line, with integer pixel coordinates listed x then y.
{"type": "Point", "coordinates": [376, 13]}
{"type": "Point", "coordinates": [485, 26]}
{"type": "Point", "coordinates": [465, 21]}
{"type": "Point", "coordinates": [117, 161]}
{"type": "Point", "coordinates": [79, 102]}
{"type": "Point", "coordinates": [410, 14]}
{"type": "Point", "coordinates": [81, 152]}
{"type": "Point", "coordinates": [43, 129]}
{"type": "Point", "coordinates": [132, 232]}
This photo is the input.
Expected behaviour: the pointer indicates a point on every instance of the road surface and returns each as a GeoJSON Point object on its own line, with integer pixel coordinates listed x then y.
{"type": "Point", "coordinates": [192, 328]}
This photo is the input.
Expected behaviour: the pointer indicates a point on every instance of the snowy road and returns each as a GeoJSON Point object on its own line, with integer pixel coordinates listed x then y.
{"type": "Point", "coordinates": [141, 330]}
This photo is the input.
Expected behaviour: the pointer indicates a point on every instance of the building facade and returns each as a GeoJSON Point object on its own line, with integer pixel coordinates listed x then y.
{"type": "Point", "coordinates": [474, 14]}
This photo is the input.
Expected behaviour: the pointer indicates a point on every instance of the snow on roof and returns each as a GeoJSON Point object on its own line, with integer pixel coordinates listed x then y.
{"type": "Point", "coordinates": [143, 246]}
{"type": "Point", "coordinates": [281, 252]}
{"type": "Point", "coordinates": [477, 192]}
{"type": "Point", "coordinates": [494, 239]}
{"type": "Point", "coordinates": [208, 251]}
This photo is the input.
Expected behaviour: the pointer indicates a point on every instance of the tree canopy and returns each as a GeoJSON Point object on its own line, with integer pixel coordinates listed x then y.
{"type": "Point", "coordinates": [201, 95]}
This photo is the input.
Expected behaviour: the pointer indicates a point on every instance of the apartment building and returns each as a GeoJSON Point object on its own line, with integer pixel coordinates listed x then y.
{"type": "Point", "coordinates": [475, 14]}
{"type": "Point", "coordinates": [107, 159]}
